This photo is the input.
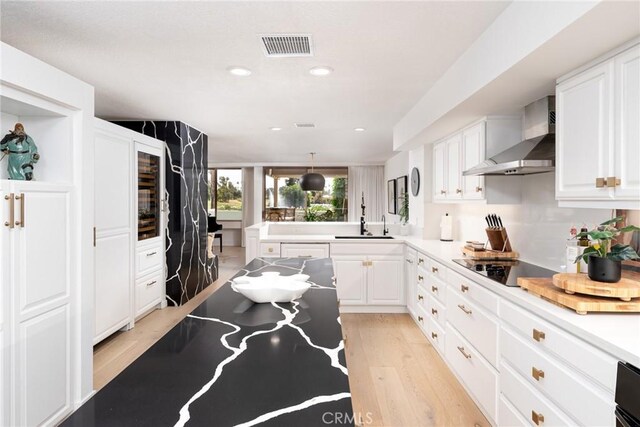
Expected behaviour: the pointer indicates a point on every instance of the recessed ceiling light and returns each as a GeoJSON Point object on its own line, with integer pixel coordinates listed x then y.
{"type": "Point", "coordinates": [275, 128]}
{"type": "Point", "coordinates": [239, 71]}
{"type": "Point", "coordinates": [359, 129]}
{"type": "Point", "coordinates": [321, 71]}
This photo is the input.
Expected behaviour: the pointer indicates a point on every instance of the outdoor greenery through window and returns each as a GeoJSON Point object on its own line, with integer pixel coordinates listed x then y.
{"type": "Point", "coordinates": [225, 194]}
{"type": "Point", "coordinates": [285, 200]}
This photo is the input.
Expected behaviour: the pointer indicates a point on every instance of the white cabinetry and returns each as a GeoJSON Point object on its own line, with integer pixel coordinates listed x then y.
{"type": "Point", "coordinates": [598, 133]}
{"type": "Point", "coordinates": [467, 148]}
{"type": "Point", "coordinates": [410, 280]}
{"type": "Point", "coordinates": [304, 250]}
{"type": "Point", "coordinates": [369, 275]}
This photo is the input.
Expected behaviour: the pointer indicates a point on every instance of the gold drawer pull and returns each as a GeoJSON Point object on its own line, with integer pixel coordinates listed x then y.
{"type": "Point", "coordinates": [420, 278]}
{"type": "Point", "coordinates": [420, 297]}
{"type": "Point", "coordinates": [599, 182]}
{"type": "Point", "coordinates": [458, 191]}
{"type": "Point", "coordinates": [612, 181]}
{"type": "Point", "coordinates": [465, 309]}
{"type": "Point", "coordinates": [537, 373]}
{"type": "Point", "coordinates": [434, 269]}
{"type": "Point", "coordinates": [270, 249]}
{"type": "Point", "coordinates": [464, 353]}
{"type": "Point", "coordinates": [420, 318]}
{"type": "Point", "coordinates": [434, 289]}
{"type": "Point", "coordinates": [152, 283]}
{"type": "Point", "coordinates": [478, 189]}
{"type": "Point", "coordinates": [21, 198]}
{"type": "Point", "coordinates": [152, 253]}
{"type": "Point", "coordinates": [434, 311]}
{"type": "Point", "coordinates": [420, 261]}
{"type": "Point", "coordinates": [434, 335]}
{"type": "Point", "coordinates": [464, 288]}
{"type": "Point", "coordinates": [11, 222]}
{"type": "Point", "coordinates": [538, 335]}
{"type": "Point", "coordinates": [443, 192]}
{"type": "Point", "coordinates": [537, 418]}
{"type": "Point", "coordinates": [409, 261]}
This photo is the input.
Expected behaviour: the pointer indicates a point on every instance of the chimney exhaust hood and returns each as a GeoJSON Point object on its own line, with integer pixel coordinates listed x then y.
{"type": "Point", "coordinates": [536, 154]}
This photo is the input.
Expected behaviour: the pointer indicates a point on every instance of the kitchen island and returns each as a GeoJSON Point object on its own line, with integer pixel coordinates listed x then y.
{"type": "Point", "coordinates": [233, 362]}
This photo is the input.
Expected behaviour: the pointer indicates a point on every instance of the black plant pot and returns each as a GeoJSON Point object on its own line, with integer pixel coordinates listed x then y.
{"type": "Point", "coordinates": [604, 269]}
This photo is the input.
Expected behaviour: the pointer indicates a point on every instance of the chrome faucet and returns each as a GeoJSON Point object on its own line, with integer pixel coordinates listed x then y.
{"type": "Point", "coordinates": [385, 230]}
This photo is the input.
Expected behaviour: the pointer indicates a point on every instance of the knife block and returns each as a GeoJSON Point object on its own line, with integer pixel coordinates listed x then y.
{"type": "Point", "coordinates": [498, 239]}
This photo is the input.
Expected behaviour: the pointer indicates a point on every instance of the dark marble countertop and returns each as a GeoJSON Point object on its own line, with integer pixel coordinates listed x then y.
{"type": "Point", "coordinates": [232, 362]}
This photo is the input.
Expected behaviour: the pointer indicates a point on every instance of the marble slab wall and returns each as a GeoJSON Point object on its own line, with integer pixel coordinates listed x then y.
{"type": "Point", "coordinates": [189, 270]}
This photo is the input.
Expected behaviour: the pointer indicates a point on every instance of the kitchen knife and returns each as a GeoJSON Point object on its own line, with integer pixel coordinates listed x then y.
{"type": "Point", "coordinates": [493, 221]}
{"type": "Point", "coordinates": [500, 222]}
{"type": "Point", "coordinates": [486, 218]}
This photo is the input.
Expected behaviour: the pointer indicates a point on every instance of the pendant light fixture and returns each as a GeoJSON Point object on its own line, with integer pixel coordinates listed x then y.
{"type": "Point", "coordinates": [312, 181]}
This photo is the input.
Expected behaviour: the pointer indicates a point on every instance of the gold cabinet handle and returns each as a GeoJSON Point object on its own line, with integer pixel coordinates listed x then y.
{"type": "Point", "coordinates": [153, 282]}
{"type": "Point", "coordinates": [420, 297]}
{"type": "Point", "coordinates": [409, 261]}
{"type": "Point", "coordinates": [420, 278]}
{"type": "Point", "coordinates": [420, 318]}
{"type": "Point", "coordinates": [478, 189]}
{"type": "Point", "coordinates": [443, 192]}
{"type": "Point", "coordinates": [434, 311]}
{"type": "Point", "coordinates": [537, 418]}
{"type": "Point", "coordinates": [434, 289]}
{"type": "Point", "coordinates": [538, 335]}
{"type": "Point", "coordinates": [599, 182]}
{"type": "Point", "coordinates": [465, 309]}
{"type": "Point", "coordinates": [464, 288]}
{"type": "Point", "coordinates": [434, 335]}
{"type": "Point", "coordinates": [458, 190]}
{"type": "Point", "coordinates": [420, 261]}
{"type": "Point", "coordinates": [434, 269]}
{"type": "Point", "coordinates": [537, 373]}
{"type": "Point", "coordinates": [270, 249]}
{"type": "Point", "coordinates": [612, 181]}
{"type": "Point", "coordinates": [464, 353]}
{"type": "Point", "coordinates": [11, 222]}
{"type": "Point", "coordinates": [21, 221]}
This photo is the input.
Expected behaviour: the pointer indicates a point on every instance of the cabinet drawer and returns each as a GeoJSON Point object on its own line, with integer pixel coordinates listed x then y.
{"type": "Point", "coordinates": [436, 311]}
{"type": "Point", "coordinates": [270, 249]}
{"type": "Point", "coordinates": [305, 250]}
{"type": "Point", "coordinates": [591, 361]}
{"type": "Point", "coordinates": [421, 318]}
{"type": "Point", "coordinates": [530, 403]}
{"type": "Point", "coordinates": [422, 298]}
{"type": "Point", "coordinates": [435, 334]}
{"type": "Point", "coordinates": [508, 415]}
{"type": "Point", "coordinates": [477, 375]}
{"type": "Point", "coordinates": [474, 324]}
{"type": "Point", "coordinates": [367, 249]}
{"type": "Point", "coordinates": [557, 381]}
{"type": "Point", "coordinates": [422, 261]}
{"type": "Point", "coordinates": [149, 258]}
{"type": "Point", "coordinates": [436, 269]}
{"type": "Point", "coordinates": [149, 291]}
{"type": "Point", "coordinates": [437, 288]}
{"type": "Point", "coordinates": [473, 291]}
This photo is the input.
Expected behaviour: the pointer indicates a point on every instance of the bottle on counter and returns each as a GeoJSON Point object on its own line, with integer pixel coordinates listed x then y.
{"type": "Point", "coordinates": [583, 243]}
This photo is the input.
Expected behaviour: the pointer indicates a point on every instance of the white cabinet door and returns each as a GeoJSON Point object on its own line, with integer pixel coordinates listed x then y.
{"type": "Point", "coordinates": [351, 279]}
{"type": "Point", "coordinates": [384, 278]}
{"type": "Point", "coordinates": [411, 283]}
{"type": "Point", "coordinates": [113, 175]}
{"type": "Point", "coordinates": [627, 124]}
{"type": "Point", "coordinates": [454, 174]}
{"type": "Point", "coordinates": [473, 153]}
{"type": "Point", "coordinates": [440, 171]}
{"type": "Point", "coordinates": [584, 140]}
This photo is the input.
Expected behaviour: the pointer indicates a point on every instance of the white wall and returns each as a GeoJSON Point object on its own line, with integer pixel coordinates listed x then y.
{"type": "Point", "coordinates": [538, 228]}
{"type": "Point", "coordinates": [395, 167]}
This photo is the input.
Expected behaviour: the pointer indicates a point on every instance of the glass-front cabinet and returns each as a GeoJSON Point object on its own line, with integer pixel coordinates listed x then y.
{"type": "Point", "coordinates": [149, 179]}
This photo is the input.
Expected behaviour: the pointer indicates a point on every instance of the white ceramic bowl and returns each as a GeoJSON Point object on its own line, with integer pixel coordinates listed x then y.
{"type": "Point", "coordinates": [271, 287]}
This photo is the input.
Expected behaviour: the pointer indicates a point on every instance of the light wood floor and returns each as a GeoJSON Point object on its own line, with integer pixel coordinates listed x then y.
{"type": "Point", "coordinates": [397, 378]}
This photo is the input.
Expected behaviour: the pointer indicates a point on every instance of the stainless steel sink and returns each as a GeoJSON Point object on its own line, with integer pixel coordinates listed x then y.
{"type": "Point", "coordinates": [363, 237]}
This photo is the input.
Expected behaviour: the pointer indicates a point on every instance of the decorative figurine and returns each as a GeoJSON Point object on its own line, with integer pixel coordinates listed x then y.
{"type": "Point", "coordinates": [22, 152]}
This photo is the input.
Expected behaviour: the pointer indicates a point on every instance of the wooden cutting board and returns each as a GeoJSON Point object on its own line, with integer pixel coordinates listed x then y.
{"type": "Point", "coordinates": [581, 304]}
{"type": "Point", "coordinates": [577, 283]}
{"type": "Point", "coordinates": [488, 254]}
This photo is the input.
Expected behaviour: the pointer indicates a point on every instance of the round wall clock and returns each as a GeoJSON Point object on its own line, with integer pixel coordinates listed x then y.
{"type": "Point", "coordinates": [415, 181]}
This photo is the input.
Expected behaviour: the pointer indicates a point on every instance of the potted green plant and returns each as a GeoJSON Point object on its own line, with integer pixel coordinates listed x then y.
{"type": "Point", "coordinates": [404, 214]}
{"type": "Point", "coordinates": [604, 260]}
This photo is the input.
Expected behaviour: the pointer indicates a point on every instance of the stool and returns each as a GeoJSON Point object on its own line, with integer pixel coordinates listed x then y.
{"type": "Point", "coordinates": [219, 237]}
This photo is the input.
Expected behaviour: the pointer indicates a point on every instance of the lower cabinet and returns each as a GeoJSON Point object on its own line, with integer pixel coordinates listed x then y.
{"type": "Point", "coordinates": [351, 279]}
{"type": "Point", "coordinates": [149, 291]}
{"type": "Point", "coordinates": [410, 280]}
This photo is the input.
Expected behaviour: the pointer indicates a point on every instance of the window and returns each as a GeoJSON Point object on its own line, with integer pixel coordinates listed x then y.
{"type": "Point", "coordinates": [225, 194]}
{"type": "Point", "coordinates": [285, 200]}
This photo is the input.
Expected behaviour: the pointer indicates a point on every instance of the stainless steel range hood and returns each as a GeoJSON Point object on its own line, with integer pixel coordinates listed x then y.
{"type": "Point", "coordinates": [536, 154]}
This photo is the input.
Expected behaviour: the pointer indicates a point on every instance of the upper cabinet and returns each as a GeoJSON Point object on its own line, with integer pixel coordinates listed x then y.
{"type": "Point", "coordinates": [466, 149]}
{"type": "Point", "coordinates": [598, 134]}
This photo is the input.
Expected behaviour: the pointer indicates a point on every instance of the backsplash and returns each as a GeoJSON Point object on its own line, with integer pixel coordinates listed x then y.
{"type": "Point", "coordinates": [538, 228]}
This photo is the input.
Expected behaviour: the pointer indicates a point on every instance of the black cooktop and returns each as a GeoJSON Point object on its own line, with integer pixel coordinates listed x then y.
{"type": "Point", "coordinates": [505, 272]}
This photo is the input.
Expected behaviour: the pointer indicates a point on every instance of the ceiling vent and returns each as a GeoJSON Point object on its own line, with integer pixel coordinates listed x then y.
{"type": "Point", "coordinates": [286, 45]}
{"type": "Point", "coordinates": [305, 125]}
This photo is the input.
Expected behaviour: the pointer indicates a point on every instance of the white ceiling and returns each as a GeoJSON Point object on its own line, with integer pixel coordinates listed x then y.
{"type": "Point", "coordinates": [168, 61]}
